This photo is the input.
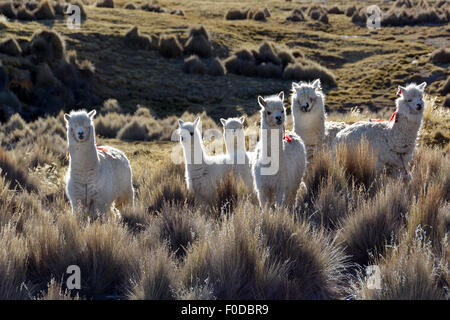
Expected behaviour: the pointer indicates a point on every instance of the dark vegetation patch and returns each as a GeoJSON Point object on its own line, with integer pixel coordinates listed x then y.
{"type": "Point", "coordinates": [154, 6]}
{"type": "Point", "coordinates": [43, 10]}
{"type": "Point", "coordinates": [253, 13]}
{"type": "Point", "coordinates": [44, 78]}
{"type": "Point", "coordinates": [270, 61]}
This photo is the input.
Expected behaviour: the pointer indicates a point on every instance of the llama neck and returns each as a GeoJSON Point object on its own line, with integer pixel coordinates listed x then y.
{"type": "Point", "coordinates": [83, 156]}
{"type": "Point", "coordinates": [310, 126]}
{"type": "Point", "coordinates": [235, 144]}
{"type": "Point", "coordinates": [404, 131]}
{"type": "Point", "coordinates": [194, 156]}
{"type": "Point", "coordinates": [271, 140]}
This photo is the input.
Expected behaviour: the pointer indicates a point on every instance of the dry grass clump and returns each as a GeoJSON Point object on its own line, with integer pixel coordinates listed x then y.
{"type": "Point", "coordinates": [236, 14]}
{"type": "Point", "coordinates": [253, 13]}
{"type": "Point", "coordinates": [315, 262]}
{"type": "Point", "coordinates": [10, 46]}
{"type": "Point", "coordinates": [104, 4]}
{"type": "Point", "coordinates": [56, 292]}
{"type": "Point", "coordinates": [441, 55]}
{"type": "Point", "coordinates": [335, 10]}
{"type": "Point", "coordinates": [134, 39]}
{"type": "Point", "coordinates": [47, 77]}
{"type": "Point", "coordinates": [193, 65]}
{"type": "Point", "coordinates": [447, 101]}
{"type": "Point", "coordinates": [373, 223]}
{"type": "Point", "coordinates": [44, 11]}
{"type": "Point", "coordinates": [216, 67]}
{"type": "Point", "coordinates": [350, 11]}
{"type": "Point", "coordinates": [407, 272]}
{"type": "Point", "coordinates": [130, 6]}
{"type": "Point", "coordinates": [153, 6]}
{"type": "Point", "coordinates": [15, 174]}
{"type": "Point", "coordinates": [198, 42]}
{"type": "Point", "coordinates": [270, 61]}
{"type": "Point", "coordinates": [308, 70]}
{"type": "Point", "coordinates": [25, 14]}
{"type": "Point", "coordinates": [7, 9]}
{"type": "Point", "coordinates": [157, 277]}
{"type": "Point", "coordinates": [446, 87]}
{"type": "Point", "coordinates": [296, 15]}
{"type": "Point", "coordinates": [110, 124]}
{"type": "Point", "coordinates": [319, 13]}
{"type": "Point", "coordinates": [170, 47]}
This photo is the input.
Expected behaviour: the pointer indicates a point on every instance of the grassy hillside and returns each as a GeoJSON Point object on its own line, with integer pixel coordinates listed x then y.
{"type": "Point", "coordinates": [169, 246]}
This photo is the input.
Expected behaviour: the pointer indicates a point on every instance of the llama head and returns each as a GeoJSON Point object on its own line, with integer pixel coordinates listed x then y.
{"type": "Point", "coordinates": [232, 127]}
{"type": "Point", "coordinates": [411, 102]}
{"type": "Point", "coordinates": [307, 97]}
{"type": "Point", "coordinates": [188, 132]}
{"type": "Point", "coordinates": [273, 113]}
{"type": "Point", "coordinates": [80, 126]}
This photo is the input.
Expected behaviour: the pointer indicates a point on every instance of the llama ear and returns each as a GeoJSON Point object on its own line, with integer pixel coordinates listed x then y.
{"type": "Point", "coordinates": [262, 102]}
{"type": "Point", "coordinates": [295, 86]}
{"type": "Point", "coordinates": [316, 84]}
{"type": "Point", "coordinates": [281, 95]}
{"type": "Point", "coordinates": [400, 90]}
{"type": "Point", "coordinates": [66, 117]}
{"type": "Point", "coordinates": [92, 114]}
{"type": "Point", "coordinates": [223, 121]}
{"type": "Point", "coordinates": [422, 86]}
{"type": "Point", "coordinates": [196, 121]}
{"type": "Point", "coordinates": [180, 122]}
{"type": "Point", "coordinates": [242, 119]}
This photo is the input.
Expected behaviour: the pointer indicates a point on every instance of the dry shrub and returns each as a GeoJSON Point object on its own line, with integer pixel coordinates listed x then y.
{"type": "Point", "coordinates": [231, 261]}
{"type": "Point", "coordinates": [130, 6]}
{"type": "Point", "coordinates": [216, 67]}
{"type": "Point", "coordinates": [360, 16]}
{"type": "Point", "coordinates": [259, 15]}
{"type": "Point", "coordinates": [296, 15]}
{"type": "Point", "coordinates": [315, 262]}
{"type": "Point", "coordinates": [431, 214]}
{"type": "Point", "coordinates": [47, 46]}
{"type": "Point", "coordinates": [7, 9]}
{"type": "Point", "coordinates": [408, 272]}
{"type": "Point", "coordinates": [236, 14]}
{"type": "Point", "coordinates": [198, 42]}
{"type": "Point", "coordinates": [135, 39]}
{"type": "Point", "coordinates": [15, 174]}
{"type": "Point", "coordinates": [170, 47]}
{"type": "Point", "coordinates": [44, 11]}
{"type": "Point", "coordinates": [269, 70]}
{"type": "Point", "coordinates": [156, 277]}
{"type": "Point", "coordinates": [110, 124]}
{"type": "Point", "coordinates": [56, 292]}
{"type": "Point", "coordinates": [335, 10]}
{"type": "Point", "coordinates": [446, 87]}
{"type": "Point", "coordinates": [373, 223]}
{"type": "Point", "coordinates": [11, 47]}
{"type": "Point", "coordinates": [110, 105]}
{"type": "Point", "coordinates": [403, 3]}
{"type": "Point", "coordinates": [134, 130]}
{"type": "Point", "coordinates": [441, 55]}
{"type": "Point", "coordinates": [193, 65]}
{"type": "Point", "coordinates": [24, 14]}
{"type": "Point", "coordinates": [13, 261]}
{"type": "Point", "coordinates": [104, 4]}
{"type": "Point", "coordinates": [447, 101]}
{"type": "Point", "coordinates": [307, 70]}
{"type": "Point", "coordinates": [350, 11]}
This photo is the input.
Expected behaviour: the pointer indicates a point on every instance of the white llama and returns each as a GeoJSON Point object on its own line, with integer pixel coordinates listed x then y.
{"type": "Point", "coordinates": [280, 156]}
{"type": "Point", "coordinates": [241, 160]}
{"type": "Point", "coordinates": [308, 111]}
{"type": "Point", "coordinates": [97, 176]}
{"type": "Point", "coordinates": [393, 141]}
{"type": "Point", "coordinates": [202, 171]}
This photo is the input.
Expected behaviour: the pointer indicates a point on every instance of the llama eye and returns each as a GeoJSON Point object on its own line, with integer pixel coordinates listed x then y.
{"type": "Point", "coordinates": [282, 111]}
{"type": "Point", "coordinates": [268, 112]}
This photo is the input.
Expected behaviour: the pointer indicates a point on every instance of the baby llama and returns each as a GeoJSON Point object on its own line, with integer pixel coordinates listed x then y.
{"type": "Point", "coordinates": [97, 176]}
{"type": "Point", "coordinates": [393, 141]}
{"type": "Point", "coordinates": [280, 161]}
{"type": "Point", "coordinates": [308, 111]}
{"type": "Point", "coordinates": [202, 171]}
{"type": "Point", "coordinates": [240, 159]}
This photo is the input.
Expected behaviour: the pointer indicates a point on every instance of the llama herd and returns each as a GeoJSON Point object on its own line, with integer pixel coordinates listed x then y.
{"type": "Point", "coordinates": [99, 176]}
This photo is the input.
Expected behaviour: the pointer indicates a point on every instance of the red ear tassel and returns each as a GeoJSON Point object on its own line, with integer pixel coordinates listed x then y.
{"type": "Point", "coordinates": [399, 92]}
